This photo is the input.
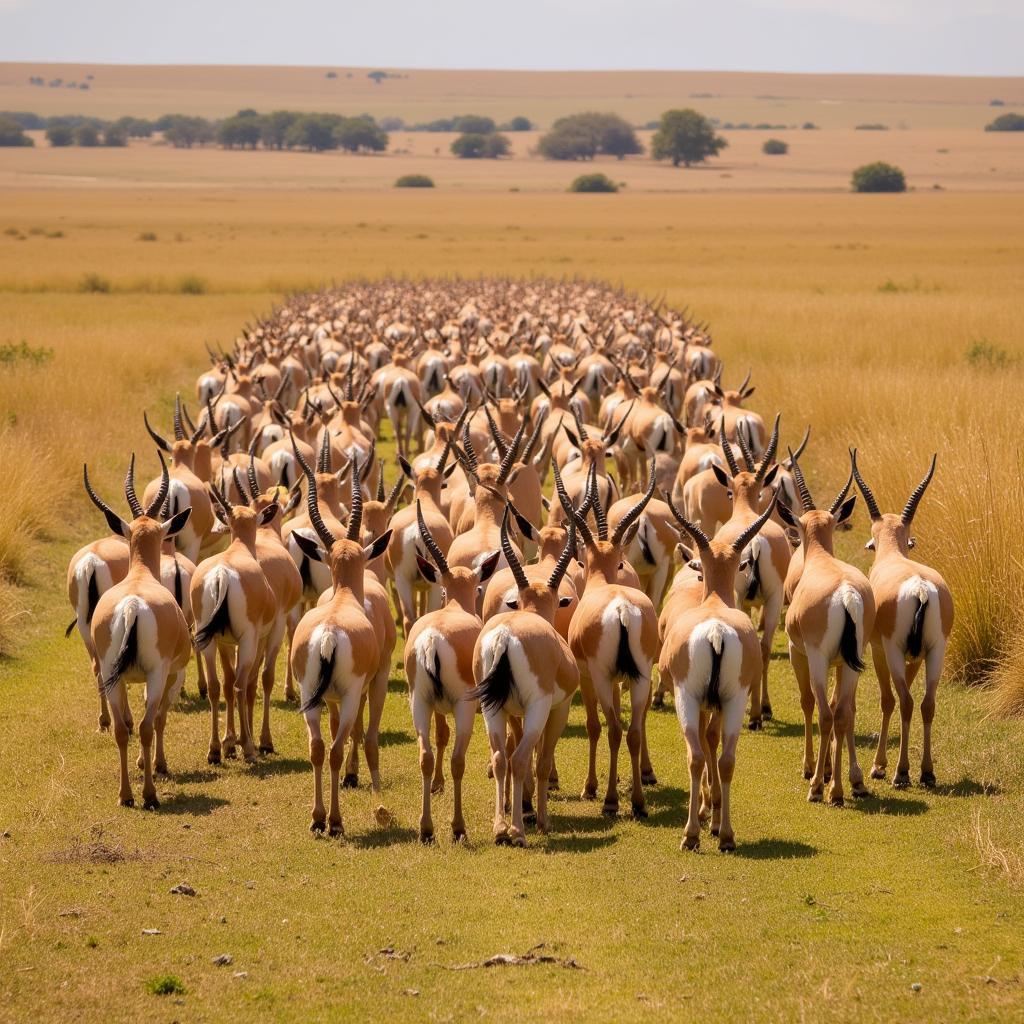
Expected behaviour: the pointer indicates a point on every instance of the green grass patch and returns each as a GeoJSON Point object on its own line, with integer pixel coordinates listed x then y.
{"type": "Point", "coordinates": [165, 985]}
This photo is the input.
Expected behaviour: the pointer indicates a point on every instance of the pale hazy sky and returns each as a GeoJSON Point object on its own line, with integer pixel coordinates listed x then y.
{"type": "Point", "coordinates": [964, 37]}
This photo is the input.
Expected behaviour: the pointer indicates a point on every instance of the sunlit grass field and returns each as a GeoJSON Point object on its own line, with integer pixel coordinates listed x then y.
{"type": "Point", "coordinates": [889, 322]}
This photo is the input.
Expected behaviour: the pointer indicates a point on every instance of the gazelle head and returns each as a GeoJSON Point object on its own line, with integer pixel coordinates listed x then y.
{"type": "Point", "coordinates": [541, 597]}
{"type": "Point", "coordinates": [346, 556]}
{"type": "Point", "coordinates": [494, 478]}
{"type": "Point", "coordinates": [815, 523]}
{"type": "Point", "coordinates": [594, 450]}
{"type": "Point", "coordinates": [753, 485]}
{"type": "Point", "coordinates": [459, 584]}
{"type": "Point", "coordinates": [144, 532]}
{"type": "Point", "coordinates": [241, 518]}
{"type": "Point", "coordinates": [735, 398]}
{"type": "Point", "coordinates": [719, 561]}
{"type": "Point", "coordinates": [887, 528]}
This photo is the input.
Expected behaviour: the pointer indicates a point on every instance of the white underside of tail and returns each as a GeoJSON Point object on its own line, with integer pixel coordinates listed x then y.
{"type": "Point", "coordinates": [911, 591]}
{"type": "Point", "coordinates": [527, 686]}
{"type": "Point", "coordinates": [844, 599]}
{"type": "Point", "coordinates": [715, 636]}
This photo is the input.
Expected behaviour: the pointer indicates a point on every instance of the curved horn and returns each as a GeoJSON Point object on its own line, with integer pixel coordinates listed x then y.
{"type": "Point", "coordinates": [745, 449]}
{"type": "Point", "coordinates": [95, 498]}
{"type": "Point", "coordinates": [579, 423]}
{"type": "Point", "coordinates": [595, 497]}
{"type": "Point", "coordinates": [730, 458]}
{"type": "Point", "coordinates": [355, 515]}
{"type": "Point", "coordinates": [323, 463]}
{"type": "Point", "coordinates": [531, 444]}
{"type": "Point", "coordinates": [158, 440]}
{"type": "Point", "coordinates": [769, 452]}
{"type": "Point", "coordinates": [513, 451]}
{"type": "Point", "coordinates": [495, 432]}
{"type": "Point", "coordinates": [914, 500]}
{"type": "Point", "coordinates": [179, 430]}
{"type": "Point", "coordinates": [510, 555]}
{"type": "Point", "coordinates": [381, 497]}
{"type": "Point", "coordinates": [312, 505]}
{"type": "Point", "coordinates": [869, 498]}
{"type": "Point", "coordinates": [803, 443]}
{"type": "Point", "coordinates": [254, 483]}
{"type": "Point", "coordinates": [243, 498]}
{"type": "Point", "coordinates": [467, 447]}
{"type": "Point", "coordinates": [801, 485]}
{"type": "Point", "coordinates": [129, 491]}
{"type": "Point", "coordinates": [431, 545]}
{"type": "Point", "coordinates": [700, 538]}
{"type": "Point", "coordinates": [746, 381]}
{"type": "Point", "coordinates": [634, 513]}
{"type": "Point", "coordinates": [165, 487]}
{"type": "Point", "coordinates": [564, 558]}
{"type": "Point", "coordinates": [841, 496]}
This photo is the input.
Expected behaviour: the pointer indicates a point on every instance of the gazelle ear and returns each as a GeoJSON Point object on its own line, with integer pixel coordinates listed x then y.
{"type": "Point", "coordinates": [769, 477]}
{"type": "Point", "coordinates": [564, 601]}
{"type": "Point", "coordinates": [309, 547]}
{"type": "Point", "coordinates": [177, 523]}
{"type": "Point", "coordinates": [377, 547]}
{"type": "Point", "coordinates": [511, 478]}
{"type": "Point", "coordinates": [403, 463]}
{"type": "Point", "coordinates": [512, 602]}
{"type": "Point", "coordinates": [847, 510]}
{"type": "Point", "coordinates": [746, 394]}
{"type": "Point", "coordinates": [528, 530]}
{"type": "Point", "coordinates": [451, 469]}
{"type": "Point", "coordinates": [117, 524]}
{"type": "Point", "coordinates": [786, 515]}
{"type": "Point", "coordinates": [573, 439]}
{"type": "Point", "coordinates": [744, 565]}
{"type": "Point", "coordinates": [721, 475]}
{"type": "Point", "coordinates": [630, 534]}
{"type": "Point", "coordinates": [719, 392]}
{"type": "Point", "coordinates": [870, 546]}
{"type": "Point", "coordinates": [267, 515]}
{"type": "Point", "coordinates": [293, 500]}
{"type": "Point", "coordinates": [685, 554]}
{"type": "Point", "coordinates": [427, 570]}
{"type": "Point", "coordinates": [486, 569]}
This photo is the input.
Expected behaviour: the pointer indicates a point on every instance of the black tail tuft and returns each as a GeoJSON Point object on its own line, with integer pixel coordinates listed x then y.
{"type": "Point", "coordinates": [220, 622]}
{"type": "Point", "coordinates": [714, 697]}
{"type": "Point", "coordinates": [624, 663]}
{"type": "Point", "coordinates": [126, 657]}
{"type": "Point", "coordinates": [71, 627]}
{"type": "Point", "coordinates": [323, 682]}
{"type": "Point", "coordinates": [915, 638]}
{"type": "Point", "coordinates": [754, 586]}
{"type": "Point", "coordinates": [848, 643]}
{"type": "Point", "coordinates": [434, 675]}
{"type": "Point", "coordinates": [645, 548]}
{"type": "Point", "coordinates": [177, 584]}
{"type": "Point", "coordinates": [307, 576]}
{"type": "Point", "coordinates": [92, 598]}
{"type": "Point", "coordinates": [400, 399]}
{"type": "Point", "coordinates": [494, 691]}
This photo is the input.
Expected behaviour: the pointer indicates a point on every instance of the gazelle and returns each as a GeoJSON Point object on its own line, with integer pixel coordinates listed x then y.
{"type": "Point", "coordinates": [139, 633]}
{"type": "Point", "coordinates": [912, 624]}
{"type": "Point", "coordinates": [830, 620]}
{"type": "Point", "coordinates": [614, 638]}
{"type": "Point", "coordinates": [713, 659]}
{"type": "Point", "coordinates": [523, 667]}
{"type": "Point", "coordinates": [235, 611]}
{"type": "Point", "coordinates": [439, 669]}
{"type": "Point", "coordinates": [334, 651]}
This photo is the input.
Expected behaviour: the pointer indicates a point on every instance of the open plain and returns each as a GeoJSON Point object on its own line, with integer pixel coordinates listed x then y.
{"type": "Point", "coordinates": [889, 322]}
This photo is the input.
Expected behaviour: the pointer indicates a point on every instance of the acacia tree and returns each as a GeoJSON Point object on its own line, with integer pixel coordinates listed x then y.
{"type": "Point", "coordinates": [583, 136]}
{"type": "Point", "coordinates": [686, 137]}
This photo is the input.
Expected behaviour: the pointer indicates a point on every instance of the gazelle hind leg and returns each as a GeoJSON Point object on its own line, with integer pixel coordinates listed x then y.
{"type": "Point", "coordinates": [934, 660]}
{"type": "Point", "coordinates": [888, 703]}
{"type": "Point", "coordinates": [421, 716]}
{"type": "Point", "coordinates": [554, 728]}
{"type": "Point", "coordinates": [731, 725]}
{"type": "Point", "coordinates": [378, 690]}
{"type": "Point", "coordinates": [443, 734]}
{"type": "Point", "coordinates": [465, 713]}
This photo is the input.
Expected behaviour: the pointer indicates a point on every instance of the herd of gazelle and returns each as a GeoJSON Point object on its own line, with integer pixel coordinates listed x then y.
{"type": "Point", "coordinates": [520, 568]}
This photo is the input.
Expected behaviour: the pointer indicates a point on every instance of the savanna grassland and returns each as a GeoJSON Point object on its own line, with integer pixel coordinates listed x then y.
{"type": "Point", "coordinates": [889, 322]}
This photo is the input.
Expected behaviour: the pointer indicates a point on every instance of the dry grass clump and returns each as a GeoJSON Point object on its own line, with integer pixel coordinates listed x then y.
{"type": "Point", "coordinates": [1002, 860]}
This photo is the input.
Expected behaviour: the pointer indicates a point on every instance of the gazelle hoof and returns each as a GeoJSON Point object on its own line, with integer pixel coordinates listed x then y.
{"type": "Point", "coordinates": [858, 791]}
{"type": "Point", "coordinates": [437, 787]}
{"type": "Point", "coordinates": [715, 829]}
{"type": "Point", "coordinates": [901, 780]}
{"type": "Point", "coordinates": [502, 839]}
{"type": "Point", "coordinates": [161, 768]}
{"type": "Point", "coordinates": [727, 845]}
{"type": "Point", "coordinates": [658, 701]}
{"type": "Point", "coordinates": [808, 774]}
{"type": "Point", "coordinates": [203, 695]}
{"type": "Point", "coordinates": [610, 809]}
{"type": "Point", "coordinates": [426, 838]}
{"type": "Point", "coordinates": [766, 712]}
{"type": "Point", "coordinates": [877, 772]}
{"type": "Point", "coordinates": [648, 778]}
{"type": "Point", "coordinates": [150, 803]}
{"type": "Point", "coordinates": [529, 814]}
{"type": "Point", "coordinates": [690, 843]}
{"type": "Point", "coordinates": [213, 757]}
{"type": "Point", "coordinates": [458, 835]}
{"type": "Point", "coordinates": [231, 752]}
{"type": "Point", "coordinates": [104, 725]}
{"type": "Point", "coordinates": [251, 758]}
{"type": "Point", "coordinates": [754, 724]}
{"type": "Point", "coordinates": [827, 777]}
{"type": "Point", "coordinates": [928, 779]}
{"type": "Point", "coordinates": [266, 748]}
{"type": "Point", "coordinates": [553, 786]}
{"type": "Point", "coordinates": [335, 830]}
{"type": "Point", "coordinates": [350, 780]}
{"type": "Point", "coordinates": [126, 801]}
{"type": "Point", "coordinates": [640, 812]}
{"type": "Point", "coordinates": [836, 799]}
{"type": "Point", "coordinates": [815, 795]}
{"type": "Point", "coordinates": [517, 840]}
{"type": "Point", "coordinates": [318, 826]}
{"type": "Point", "coordinates": [589, 794]}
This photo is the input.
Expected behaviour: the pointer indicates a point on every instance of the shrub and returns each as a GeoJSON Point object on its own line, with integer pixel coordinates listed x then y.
{"type": "Point", "coordinates": [984, 355]}
{"type": "Point", "coordinates": [24, 353]}
{"type": "Point", "coordinates": [1006, 123]}
{"type": "Point", "coordinates": [165, 985]}
{"type": "Point", "coordinates": [518, 124]}
{"type": "Point", "coordinates": [314, 132]}
{"type": "Point", "coordinates": [878, 177]}
{"type": "Point", "coordinates": [391, 124]}
{"type": "Point", "coordinates": [473, 124]}
{"type": "Point", "coordinates": [809, 126]}
{"type": "Point", "coordinates": [184, 132]}
{"type": "Point", "coordinates": [13, 134]}
{"type": "Point", "coordinates": [360, 133]}
{"type": "Point", "coordinates": [94, 283]}
{"type": "Point", "coordinates": [473, 146]}
{"type": "Point", "coordinates": [274, 128]}
{"type": "Point", "coordinates": [686, 137]}
{"type": "Point", "coordinates": [147, 236]}
{"type": "Point", "coordinates": [414, 181]}
{"type": "Point", "coordinates": [242, 130]}
{"type": "Point", "coordinates": [192, 285]}
{"type": "Point", "coordinates": [134, 127]}
{"type": "Point", "coordinates": [87, 135]}
{"type": "Point", "coordinates": [114, 136]}
{"type": "Point", "coordinates": [583, 136]}
{"type": "Point", "coordinates": [60, 134]}
{"type": "Point", "coordinates": [775, 147]}
{"type": "Point", "coordinates": [593, 183]}
{"type": "Point", "coordinates": [873, 127]}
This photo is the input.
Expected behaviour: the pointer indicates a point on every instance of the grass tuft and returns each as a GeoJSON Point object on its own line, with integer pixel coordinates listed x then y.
{"type": "Point", "coordinates": [165, 985]}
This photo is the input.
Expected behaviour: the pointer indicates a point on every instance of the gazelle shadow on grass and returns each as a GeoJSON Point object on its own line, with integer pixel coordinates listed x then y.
{"type": "Point", "coordinates": [775, 849]}
{"type": "Point", "coordinates": [190, 703]}
{"type": "Point", "coordinates": [393, 835]}
{"type": "Point", "coordinates": [268, 766]}
{"type": "Point", "coordinates": [793, 730]}
{"type": "Point", "coordinates": [967, 787]}
{"type": "Point", "coordinates": [574, 842]}
{"type": "Point", "coordinates": [196, 804]}
{"type": "Point", "coordinates": [667, 806]}
{"type": "Point", "coordinates": [887, 803]}
{"type": "Point", "coordinates": [395, 737]}
{"type": "Point", "coordinates": [398, 686]}
{"type": "Point", "coordinates": [195, 776]}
